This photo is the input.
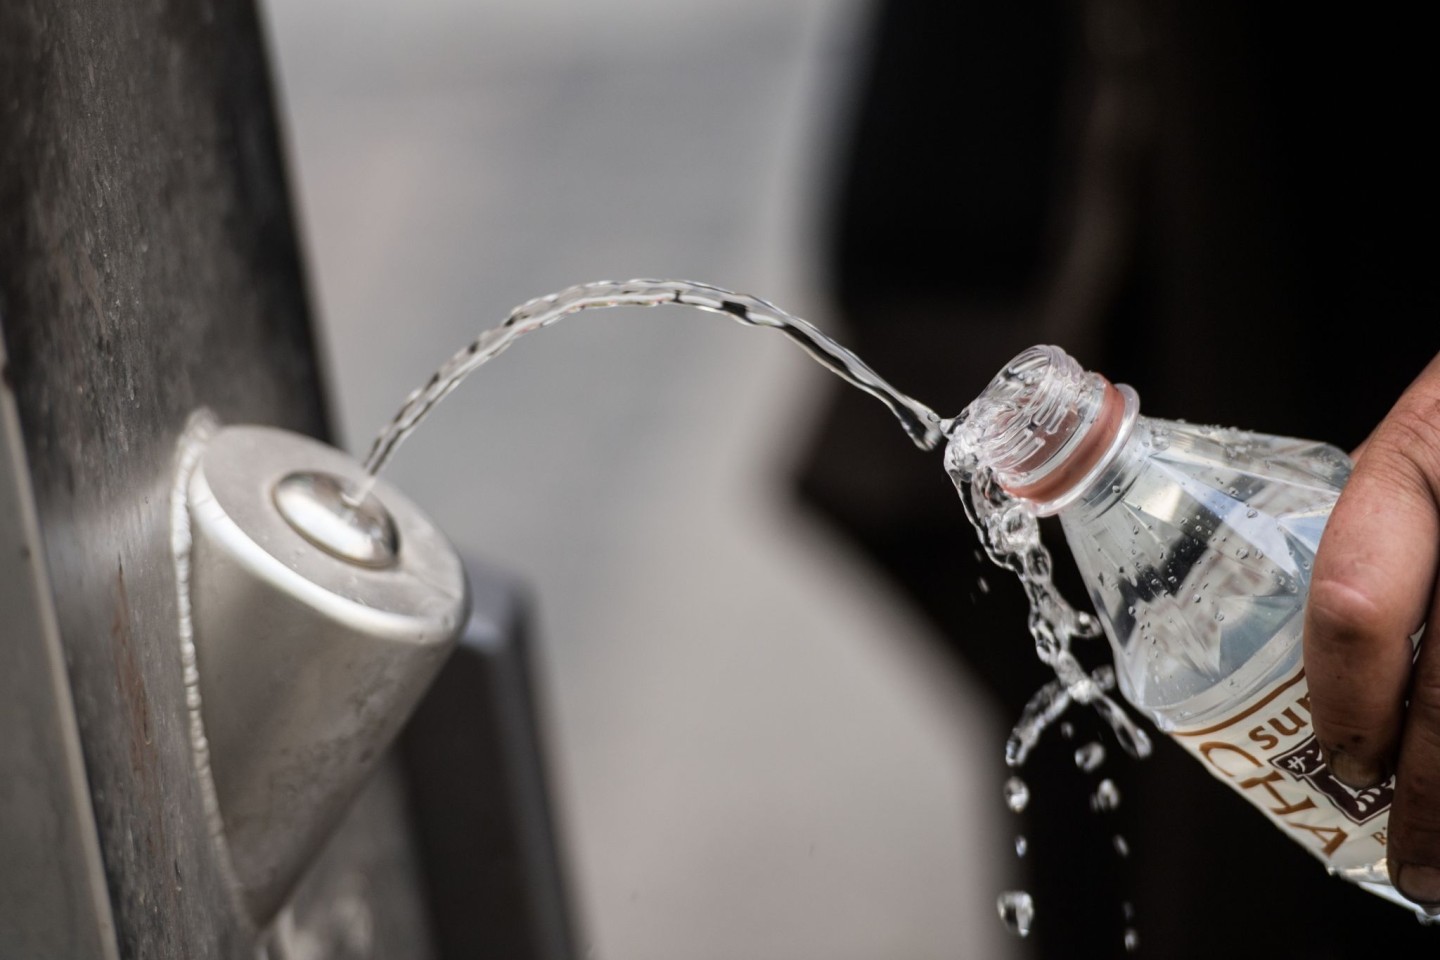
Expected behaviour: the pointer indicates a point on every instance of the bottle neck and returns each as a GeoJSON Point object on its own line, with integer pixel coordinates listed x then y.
{"type": "Point", "coordinates": [1046, 427]}
{"type": "Point", "coordinates": [1085, 457]}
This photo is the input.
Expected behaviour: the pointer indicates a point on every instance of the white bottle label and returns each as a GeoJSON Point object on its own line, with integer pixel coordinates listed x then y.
{"type": "Point", "coordinates": [1267, 751]}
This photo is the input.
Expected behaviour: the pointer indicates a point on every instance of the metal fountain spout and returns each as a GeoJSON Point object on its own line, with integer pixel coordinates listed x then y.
{"type": "Point", "coordinates": [318, 623]}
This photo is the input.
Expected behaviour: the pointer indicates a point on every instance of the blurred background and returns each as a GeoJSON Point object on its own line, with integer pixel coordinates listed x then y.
{"type": "Point", "coordinates": [776, 687]}
{"type": "Point", "coordinates": [774, 674]}
{"type": "Point", "coordinates": [757, 750]}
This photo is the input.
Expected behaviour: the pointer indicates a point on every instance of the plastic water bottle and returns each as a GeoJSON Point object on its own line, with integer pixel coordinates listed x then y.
{"type": "Point", "coordinates": [1196, 545]}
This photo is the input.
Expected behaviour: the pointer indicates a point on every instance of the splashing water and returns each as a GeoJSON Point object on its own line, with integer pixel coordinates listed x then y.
{"type": "Point", "coordinates": [1106, 798]}
{"type": "Point", "coordinates": [1017, 911]}
{"type": "Point", "coordinates": [1010, 534]}
{"type": "Point", "coordinates": [1008, 529]}
{"type": "Point", "coordinates": [924, 426]}
{"type": "Point", "coordinates": [1017, 795]}
{"type": "Point", "coordinates": [1089, 757]}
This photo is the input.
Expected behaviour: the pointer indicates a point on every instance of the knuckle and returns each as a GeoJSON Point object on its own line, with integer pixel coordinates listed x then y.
{"type": "Point", "coordinates": [1409, 444]}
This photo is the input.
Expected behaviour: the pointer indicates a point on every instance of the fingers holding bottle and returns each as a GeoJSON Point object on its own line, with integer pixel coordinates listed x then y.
{"type": "Point", "coordinates": [1374, 585]}
{"type": "Point", "coordinates": [1413, 844]}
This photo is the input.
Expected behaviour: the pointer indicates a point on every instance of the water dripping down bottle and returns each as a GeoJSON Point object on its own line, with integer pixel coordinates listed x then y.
{"type": "Point", "coordinates": [1195, 544]}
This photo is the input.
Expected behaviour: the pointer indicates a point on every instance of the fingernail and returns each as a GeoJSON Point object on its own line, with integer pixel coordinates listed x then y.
{"type": "Point", "coordinates": [1421, 884]}
{"type": "Point", "coordinates": [1351, 770]}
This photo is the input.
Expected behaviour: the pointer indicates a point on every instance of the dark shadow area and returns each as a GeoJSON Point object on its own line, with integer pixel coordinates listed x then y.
{"type": "Point", "coordinates": [1220, 205]}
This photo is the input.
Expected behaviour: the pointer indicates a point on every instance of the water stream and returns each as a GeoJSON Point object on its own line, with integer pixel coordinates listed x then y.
{"type": "Point", "coordinates": [1009, 531]}
{"type": "Point", "coordinates": [924, 425]}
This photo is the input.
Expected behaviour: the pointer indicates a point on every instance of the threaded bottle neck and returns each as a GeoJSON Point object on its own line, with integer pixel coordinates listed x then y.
{"type": "Point", "coordinates": [1044, 423]}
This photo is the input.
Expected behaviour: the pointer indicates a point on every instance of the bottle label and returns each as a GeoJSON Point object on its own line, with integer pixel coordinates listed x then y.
{"type": "Point", "coordinates": [1266, 750]}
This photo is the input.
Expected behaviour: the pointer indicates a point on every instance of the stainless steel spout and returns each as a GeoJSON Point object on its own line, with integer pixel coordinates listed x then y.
{"type": "Point", "coordinates": [318, 623]}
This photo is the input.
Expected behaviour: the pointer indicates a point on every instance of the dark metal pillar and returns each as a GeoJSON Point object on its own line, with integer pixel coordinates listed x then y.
{"type": "Point", "coordinates": [148, 267]}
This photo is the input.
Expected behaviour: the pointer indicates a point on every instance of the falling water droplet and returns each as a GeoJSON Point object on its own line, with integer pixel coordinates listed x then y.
{"type": "Point", "coordinates": [1128, 909]}
{"type": "Point", "coordinates": [1021, 845]}
{"type": "Point", "coordinates": [1089, 757]}
{"type": "Point", "coordinates": [983, 584]}
{"type": "Point", "coordinates": [1132, 940]}
{"type": "Point", "coordinates": [1017, 795]}
{"type": "Point", "coordinates": [1107, 796]}
{"type": "Point", "coordinates": [1017, 911]}
{"type": "Point", "coordinates": [1122, 847]}
{"type": "Point", "coordinates": [1067, 729]}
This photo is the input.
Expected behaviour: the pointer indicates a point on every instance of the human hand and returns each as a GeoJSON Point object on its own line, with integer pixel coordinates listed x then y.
{"type": "Point", "coordinates": [1375, 705]}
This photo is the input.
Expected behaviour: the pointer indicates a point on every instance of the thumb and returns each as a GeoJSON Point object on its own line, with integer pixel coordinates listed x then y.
{"type": "Point", "coordinates": [1372, 586]}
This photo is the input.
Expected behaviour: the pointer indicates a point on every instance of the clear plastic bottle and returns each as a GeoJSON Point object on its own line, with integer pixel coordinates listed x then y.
{"type": "Point", "coordinates": [1196, 545]}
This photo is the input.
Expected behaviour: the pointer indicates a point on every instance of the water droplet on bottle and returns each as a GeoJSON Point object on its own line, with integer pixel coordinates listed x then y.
{"type": "Point", "coordinates": [1131, 610]}
{"type": "Point", "coordinates": [1196, 598]}
{"type": "Point", "coordinates": [1132, 940]}
{"type": "Point", "coordinates": [1252, 513]}
{"type": "Point", "coordinates": [1107, 796]}
{"type": "Point", "coordinates": [1089, 757]}
{"type": "Point", "coordinates": [1021, 845]}
{"type": "Point", "coordinates": [1121, 846]}
{"type": "Point", "coordinates": [1017, 911]}
{"type": "Point", "coordinates": [1242, 553]}
{"type": "Point", "coordinates": [1017, 795]}
{"type": "Point", "coordinates": [1219, 615]}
